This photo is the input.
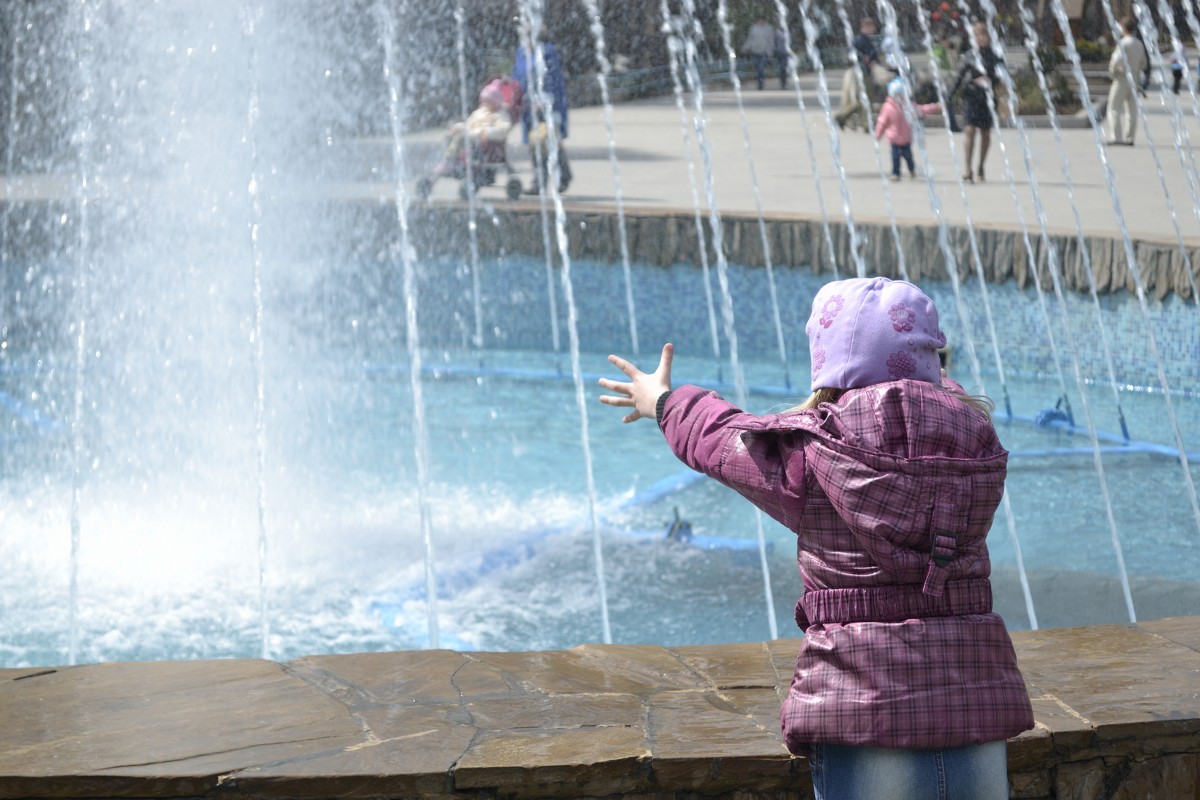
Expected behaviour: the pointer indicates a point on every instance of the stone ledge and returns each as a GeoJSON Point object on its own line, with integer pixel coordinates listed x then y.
{"type": "Point", "coordinates": [668, 236]}
{"type": "Point", "coordinates": [1117, 709]}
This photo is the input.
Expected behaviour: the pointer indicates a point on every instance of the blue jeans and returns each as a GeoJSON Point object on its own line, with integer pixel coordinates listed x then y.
{"type": "Point", "coordinates": [972, 772]}
{"type": "Point", "coordinates": [760, 68]}
{"type": "Point", "coordinates": [900, 151]}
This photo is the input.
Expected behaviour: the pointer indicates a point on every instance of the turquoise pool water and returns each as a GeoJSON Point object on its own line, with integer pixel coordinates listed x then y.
{"type": "Point", "coordinates": [168, 507]}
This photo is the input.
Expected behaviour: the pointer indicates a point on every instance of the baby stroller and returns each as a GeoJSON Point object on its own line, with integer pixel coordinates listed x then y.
{"type": "Point", "coordinates": [488, 153]}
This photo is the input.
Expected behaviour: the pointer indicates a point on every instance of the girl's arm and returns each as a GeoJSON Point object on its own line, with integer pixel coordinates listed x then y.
{"type": "Point", "coordinates": [713, 436]}
{"type": "Point", "coordinates": [742, 451]}
{"type": "Point", "coordinates": [964, 68]}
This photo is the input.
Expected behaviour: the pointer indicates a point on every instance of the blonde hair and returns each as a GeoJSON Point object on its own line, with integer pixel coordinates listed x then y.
{"type": "Point", "coordinates": [981, 403]}
{"type": "Point", "coordinates": [819, 396]}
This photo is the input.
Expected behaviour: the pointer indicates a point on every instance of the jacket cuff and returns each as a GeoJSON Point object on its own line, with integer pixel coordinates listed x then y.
{"type": "Point", "coordinates": [660, 405]}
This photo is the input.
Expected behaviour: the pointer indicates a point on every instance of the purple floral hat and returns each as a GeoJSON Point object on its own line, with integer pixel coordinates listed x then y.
{"type": "Point", "coordinates": [871, 330]}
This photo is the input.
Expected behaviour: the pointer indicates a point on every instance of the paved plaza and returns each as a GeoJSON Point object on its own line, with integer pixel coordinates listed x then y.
{"type": "Point", "coordinates": [657, 170]}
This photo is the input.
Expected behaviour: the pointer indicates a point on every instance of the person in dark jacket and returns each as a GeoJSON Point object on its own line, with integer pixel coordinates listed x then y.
{"type": "Point", "coordinates": [863, 76]}
{"type": "Point", "coordinates": [978, 78]}
{"type": "Point", "coordinates": [541, 110]}
{"type": "Point", "coordinates": [782, 57]}
{"type": "Point", "coordinates": [906, 684]}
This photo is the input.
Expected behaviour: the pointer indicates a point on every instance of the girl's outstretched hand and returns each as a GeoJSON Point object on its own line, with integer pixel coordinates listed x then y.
{"type": "Point", "coordinates": [642, 390]}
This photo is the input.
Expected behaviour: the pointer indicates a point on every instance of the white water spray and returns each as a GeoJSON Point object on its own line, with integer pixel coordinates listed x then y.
{"type": "Point", "coordinates": [412, 330]}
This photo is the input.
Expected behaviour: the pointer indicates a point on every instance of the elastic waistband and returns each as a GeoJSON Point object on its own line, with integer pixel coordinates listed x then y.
{"type": "Point", "coordinates": [893, 603]}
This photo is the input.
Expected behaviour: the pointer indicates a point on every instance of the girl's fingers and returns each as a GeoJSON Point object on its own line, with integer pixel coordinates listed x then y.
{"type": "Point", "coordinates": [623, 365]}
{"type": "Point", "coordinates": [664, 361]}
{"type": "Point", "coordinates": [610, 400]}
{"type": "Point", "coordinates": [616, 386]}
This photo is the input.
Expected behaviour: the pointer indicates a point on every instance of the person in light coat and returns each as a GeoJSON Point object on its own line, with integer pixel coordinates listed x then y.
{"type": "Point", "coordinates": [1128, 59]}
{"type": "Point", "coordinates": [759, 45]}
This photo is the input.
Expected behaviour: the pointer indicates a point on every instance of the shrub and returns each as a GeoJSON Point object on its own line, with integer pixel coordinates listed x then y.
{"type": "Point", "coordinates": [1029, 96]}
{"type": "Point", "coordinates": [1030, 99]}
{"type": "Point", "coordinates": [1050, 56]}
{"type": "Point", "coordinates": [1092, 52]}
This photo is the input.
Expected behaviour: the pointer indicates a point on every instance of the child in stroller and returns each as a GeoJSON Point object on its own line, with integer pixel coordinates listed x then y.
{"type": "Point", "coordinates": [482, 138]}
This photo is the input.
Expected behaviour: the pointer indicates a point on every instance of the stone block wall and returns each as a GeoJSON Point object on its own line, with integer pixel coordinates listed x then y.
{"type": "Point", "coordinates": [670, 236]}
{"type": "Point", "coordinates": [1117, 712]}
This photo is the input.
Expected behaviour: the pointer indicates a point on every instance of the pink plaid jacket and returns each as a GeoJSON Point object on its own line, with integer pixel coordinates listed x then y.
{"type": "Point", "coordinates": [891, 492]}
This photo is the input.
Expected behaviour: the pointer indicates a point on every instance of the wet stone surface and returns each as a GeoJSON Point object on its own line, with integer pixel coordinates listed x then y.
{"type": "Point", "coordinates": [1116, 706]}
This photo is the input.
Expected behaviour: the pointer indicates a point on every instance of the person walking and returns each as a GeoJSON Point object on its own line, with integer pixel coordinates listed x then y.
{"type": "Point", "coordinates": [892, 124]}
{"type": "Point", "coordinates": [851, 111]}
{"type": "Point", "coordinates": [1125, 67]}
{"type": "Point", "coordinates": [1179, 66]}
{"type": "Point", "coordinates": [536, 116]}
{"type": "Point", "coordinates": [781, 56]}
{"type": "Point", "coordinates": [759, 45]}
{"type": "Point", "coordinates": [906, 683]}
{"type": "Point", "coordinates": [861, 78]}
{"type": "Point", "coordinates": [978, 77]}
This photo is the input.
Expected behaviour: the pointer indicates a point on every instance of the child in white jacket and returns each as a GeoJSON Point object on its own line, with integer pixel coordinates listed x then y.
{"type": "Point", "coordinates": [490, 122]}
{"type": "Point", "coordinates": [892, 124]}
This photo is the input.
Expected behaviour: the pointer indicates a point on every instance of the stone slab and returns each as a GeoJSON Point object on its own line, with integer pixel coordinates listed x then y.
{"type": "Point", "coordinates": [595, 721]}
{"type": "Point", "coordinates": [1122, 679]}
{"type": "Point", "coordinates": [176, 726]}
{"type": "Point", "coordinates": [1181, 630]}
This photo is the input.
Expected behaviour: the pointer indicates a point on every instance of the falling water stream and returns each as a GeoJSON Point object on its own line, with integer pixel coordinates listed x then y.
{"type": "Point", "coordinates": [735, 81]}
{"type": "Point", "coordinates": [1060, 16]}
{"type": "Point", "coordinates": [1145, 23]}
{"type": "Point", "coordinates": [676, 45]}
{"type": "Point", "coordinates": [83, 288]}
{"type": "Point", "coordinates": [892, 35]}
{"type": "Point", "coordinates": [865, 100]}
{"type": "Point", "coordinates": [1053, 269]}
{"type": "Point", "coordinates": [9, 147]}
{"type": "Point", "coordinates": [260, 394]}
{"type": "Point", "coordinates": [387, 25]}
{"type": "Point", "coordinates": [1031, 41]}
{"type": "Point", "coordinates": [814, 165]}
{"type": "Point", "coordinates": [1182, 139]}
{"type": "Point", "coordinates": [597, 28]}
{"type": "Point", "coordinates": [727, 315]}
{"type": "Point", "coordinates": [960, 305]}
{"type": "Point", "coordinates": [88, 273]}
{"type": "Point", "coordinates": [835, 146]}
{"type": "Point", "coordinates": [472, 202]}
{"type": "Point", "coordinates": [531, 12]}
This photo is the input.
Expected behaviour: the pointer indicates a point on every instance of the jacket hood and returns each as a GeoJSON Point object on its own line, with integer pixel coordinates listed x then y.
{"type": "Point", "coordinates": [900, 461]}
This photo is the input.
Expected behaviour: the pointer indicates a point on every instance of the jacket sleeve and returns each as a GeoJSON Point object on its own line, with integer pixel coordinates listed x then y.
{"type": "Point", "coordinates": [965, 68]}
{"type": "Point", "coordinates": [715, 437]}
{"type": "Point", "coordinates": [881, 120]}
{"type": "Point", "coordinates": [497, 130]}
{"type": "Point", "coordinates": [1115, 68]}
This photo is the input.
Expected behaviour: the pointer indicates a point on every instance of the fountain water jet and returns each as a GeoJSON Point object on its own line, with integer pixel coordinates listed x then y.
{"type": "Point", "coordinates": [337, 402]}
{"type": "Point", "coordinates": [794, 76]}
